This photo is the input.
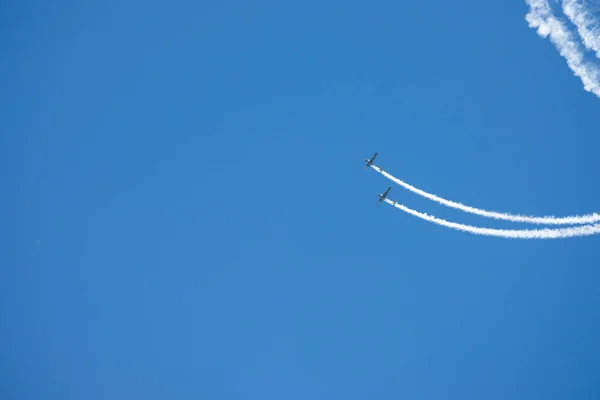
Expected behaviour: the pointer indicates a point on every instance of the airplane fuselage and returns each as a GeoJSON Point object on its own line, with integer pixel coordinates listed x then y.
{"type": "Point", "coordinates": [369, 162]}
{"type": "Point", "coordinates": [383, 196]}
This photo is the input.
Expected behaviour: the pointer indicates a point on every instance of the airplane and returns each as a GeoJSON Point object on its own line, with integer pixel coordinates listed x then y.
{"type": "Point", "coordinates": [383, 196]}
{"type": "Point", "coordinates": [370, 162]}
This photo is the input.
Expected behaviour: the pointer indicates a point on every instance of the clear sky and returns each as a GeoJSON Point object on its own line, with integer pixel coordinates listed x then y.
{"type": "Point", "coordinates": [185, 213]}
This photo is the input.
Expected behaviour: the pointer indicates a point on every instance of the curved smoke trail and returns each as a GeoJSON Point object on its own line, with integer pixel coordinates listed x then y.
{"type": "Point", "coordinates": [548, 220]}
{"type": "Point", "coordinates": [560, 233]}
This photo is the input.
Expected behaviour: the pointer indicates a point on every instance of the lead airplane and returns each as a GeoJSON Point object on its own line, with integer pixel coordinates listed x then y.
{"type": "Point", "coordinates": [369, 162]}
{"type": "Point", "coordinates": [383, 196]}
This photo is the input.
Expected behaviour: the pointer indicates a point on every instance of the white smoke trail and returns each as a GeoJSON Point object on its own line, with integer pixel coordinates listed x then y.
{"type": "Point", "coordinates": [548, 220]}
{"type": "Point", "coordinates": [561, 233]}
{"type": "Point", "coordinates": [540, 16]}
{"type": "Point", "coordinates": [587, 24]}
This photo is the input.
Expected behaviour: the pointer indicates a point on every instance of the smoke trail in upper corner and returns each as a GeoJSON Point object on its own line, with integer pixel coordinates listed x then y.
{"type": "Point", "coordinates": [560, 233]}
{"type": "Point", "coordinates": [588, 26]}
{"type": "Point", "coordinates": [540, 16]}
{"type": "Point", "coordinates": [548, 220]}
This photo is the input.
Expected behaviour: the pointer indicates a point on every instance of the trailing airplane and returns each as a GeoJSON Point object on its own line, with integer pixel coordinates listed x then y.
{"type": "Point", "coordinates": [369, 162]}
{"type": "Point", "coordinates": [383, 196]}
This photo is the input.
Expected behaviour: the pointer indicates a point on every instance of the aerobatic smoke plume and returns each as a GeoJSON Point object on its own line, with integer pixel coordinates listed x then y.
{"type": "Point", "coordinates": [547, 220]}
{"type": "Point", "coordinates": [542, 18]}
{"type": "Point", "coordinates": [581, 15]}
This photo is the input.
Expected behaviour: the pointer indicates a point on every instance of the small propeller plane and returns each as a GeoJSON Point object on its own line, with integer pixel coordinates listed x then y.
{"type": "Point", "coordinates": [383, 196]}
{"type": "Point", "coordinates": [369, 162]}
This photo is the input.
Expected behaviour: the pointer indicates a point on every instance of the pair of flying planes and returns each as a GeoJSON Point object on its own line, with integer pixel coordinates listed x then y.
{"type": "Point", "coordinates": [369, 163]}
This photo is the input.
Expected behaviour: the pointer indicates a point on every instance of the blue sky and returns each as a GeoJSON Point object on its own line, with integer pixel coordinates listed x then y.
{"type": "Point", "coordinates": [186, 214]}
